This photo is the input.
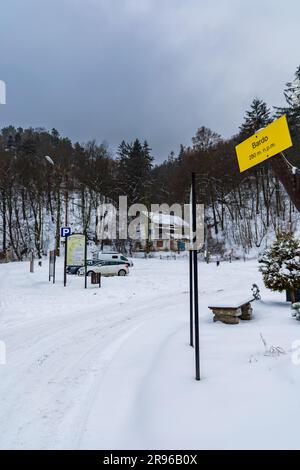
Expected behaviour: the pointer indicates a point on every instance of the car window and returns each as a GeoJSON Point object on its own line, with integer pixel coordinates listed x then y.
{"type": "Point", "coordinates": [114, 256]}
{"type": "Point", "coordinates": [123, 258]}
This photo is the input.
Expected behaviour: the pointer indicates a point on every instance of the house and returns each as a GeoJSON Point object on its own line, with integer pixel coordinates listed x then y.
{"type": "Point", "coordinates": [165, 233]}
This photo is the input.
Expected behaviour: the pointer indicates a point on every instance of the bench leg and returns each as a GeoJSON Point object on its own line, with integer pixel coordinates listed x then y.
{"type": "Point", "coordinates": [227, 319]}
{"type": "Point", "coordinates": [246, 312]}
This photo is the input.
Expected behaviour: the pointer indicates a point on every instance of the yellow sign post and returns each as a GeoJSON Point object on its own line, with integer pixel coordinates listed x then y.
{"type": "Point", "coordinates": [266, 143]}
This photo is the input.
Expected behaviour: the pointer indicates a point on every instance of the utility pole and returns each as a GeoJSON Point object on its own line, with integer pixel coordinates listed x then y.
{"type": "Point", "coordinates": [191, 299]}
{"type": "Point", "coordinates": [195, 277]}
{"type": "Point", "coordinates": [66, 200]}
{"type": "Point", "coordinates": [66, 225]}
{"type": "Point", "coordinates": [4, 221]}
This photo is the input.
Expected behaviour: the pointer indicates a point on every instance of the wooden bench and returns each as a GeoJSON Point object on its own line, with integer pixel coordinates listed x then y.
{"type": "Point", "coordinates": [232, 312]}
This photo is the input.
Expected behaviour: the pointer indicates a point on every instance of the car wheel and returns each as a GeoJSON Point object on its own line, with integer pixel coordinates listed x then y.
{"type": "Point", "coordinates": [122, 272]}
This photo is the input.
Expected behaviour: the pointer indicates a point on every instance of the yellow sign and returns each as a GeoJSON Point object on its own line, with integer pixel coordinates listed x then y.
{"type": "Point", "coordinates": [76, 250]}
{"type": "Point", "coordinates": [266, 143]}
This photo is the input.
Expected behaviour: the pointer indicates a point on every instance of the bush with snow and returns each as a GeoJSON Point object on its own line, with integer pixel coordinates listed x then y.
{"type": "Point", "coordinates": [280, 265]}
{"type": "Point", "coordinates": [296, 310]}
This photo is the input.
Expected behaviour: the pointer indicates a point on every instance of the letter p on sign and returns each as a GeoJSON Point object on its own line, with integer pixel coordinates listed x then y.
{"type": "Point", "coordinates": [65, 232]}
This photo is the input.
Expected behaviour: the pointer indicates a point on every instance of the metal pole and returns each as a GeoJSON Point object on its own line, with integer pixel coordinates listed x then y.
{"type": "Point", "coordinates": [85, 261]}
{"type": "Point", "coordinates": [32, 263]}
{"type": "Point", "coordinates": [196, 305]}
{"type": "Point", "coordinates": [66, 200]}
{"type": "Point", "coordinates": [191, 300]}
{"type": "Point", "coordinates": [54, 267]}
{"type": "Point", "coordinates": [65, 261]}
{"type": "Point", "coordinates": [4, 221]}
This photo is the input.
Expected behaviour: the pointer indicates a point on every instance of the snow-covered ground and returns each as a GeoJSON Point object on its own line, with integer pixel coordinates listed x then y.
{"type": "Point", "coordinates": [111, 368]}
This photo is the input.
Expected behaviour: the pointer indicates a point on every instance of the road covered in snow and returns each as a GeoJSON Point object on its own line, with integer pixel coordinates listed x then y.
{"type": "Point", "coordinates": [111, 368]}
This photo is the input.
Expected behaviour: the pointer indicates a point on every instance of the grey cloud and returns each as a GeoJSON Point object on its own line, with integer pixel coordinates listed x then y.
{"type": "Point", "coordinates": [156, 69]}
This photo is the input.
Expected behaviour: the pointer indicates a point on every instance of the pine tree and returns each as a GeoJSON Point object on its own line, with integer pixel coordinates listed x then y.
{"type": "Point", "coordinates": [292, 96]}
{"type": "Point", "coordinates": [135, 165]}
{"type": "Point", "coordinates": [139, 166]}
{"type": "Point", "coordinates": [256, 118]}
{"type": "Point", "coordinates": [123, 151]}
{"type": "Point", "coordinates": [147, 157]}
{"type": "Point", "coordinates": [280, 265]}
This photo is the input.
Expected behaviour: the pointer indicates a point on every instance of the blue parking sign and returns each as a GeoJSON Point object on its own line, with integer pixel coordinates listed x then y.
{"type": "Point", "coordinates": [65, 232]}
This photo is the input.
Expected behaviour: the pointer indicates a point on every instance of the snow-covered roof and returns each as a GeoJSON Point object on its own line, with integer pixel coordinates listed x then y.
{"type": "Point", "coordinates": [167, 219]}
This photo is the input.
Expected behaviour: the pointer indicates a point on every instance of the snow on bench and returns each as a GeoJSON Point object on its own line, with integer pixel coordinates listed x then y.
{"type": "Point", "coordinates": [228, 302]}
{"type": "Point", "coordinates": [230, 311]}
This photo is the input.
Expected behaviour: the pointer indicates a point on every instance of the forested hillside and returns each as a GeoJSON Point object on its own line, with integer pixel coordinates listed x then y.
{"type": "Point", "coordinates": [241, 209]}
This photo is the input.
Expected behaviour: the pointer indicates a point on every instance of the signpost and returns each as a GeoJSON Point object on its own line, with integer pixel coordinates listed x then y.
{"type": "Point", "coordinates": [191, 273]}
{"type": "Point", "coordinates": [31, 262]}
{"type": "Point", "coordinates": [194, 303]}
{"type": "Point", "coordinates": [65, 232]}
{"type": "Point", "coordinates": [266, 143]}
{"type": "Point", "coordinates": [52, 262]}
{"type": "Point", "coordinates": [85, 261]}
{"type": "Point", "coordinates": [191, 299]}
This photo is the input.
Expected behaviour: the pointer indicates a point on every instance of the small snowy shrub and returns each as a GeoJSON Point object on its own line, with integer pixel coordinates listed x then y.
{"type": "Point", "coordinates": [296, 310]}
{"type": "Point", "coordinates": [280, 265]}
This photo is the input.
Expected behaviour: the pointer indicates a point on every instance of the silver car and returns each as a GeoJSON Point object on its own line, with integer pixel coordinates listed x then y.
{"type": "Point", "coordinates": [106, 268]}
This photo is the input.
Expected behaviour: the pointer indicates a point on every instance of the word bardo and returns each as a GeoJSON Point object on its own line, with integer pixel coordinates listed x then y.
{"type": "Point", "coordinates": [260, 142]}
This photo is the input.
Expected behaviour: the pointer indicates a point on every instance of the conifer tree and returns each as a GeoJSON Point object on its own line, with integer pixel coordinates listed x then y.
{"type": "Point", "coordinates": [256, 118]}
{"type": "Point", "coordinates": [292, 96]}
{"type": "Point", "coordinates": [135, 165]}
{"type": "Point", "coordinates": [280, 265]}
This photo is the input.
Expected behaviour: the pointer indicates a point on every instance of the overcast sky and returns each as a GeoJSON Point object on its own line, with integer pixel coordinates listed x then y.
{"type": "Point", "coordinates": [155, 69]}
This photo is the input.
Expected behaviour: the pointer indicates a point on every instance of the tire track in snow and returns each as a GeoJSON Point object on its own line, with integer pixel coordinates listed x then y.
{"type": "Point", "coordinates": [25, 396]}
{"type": "Point", "coordinates": [124, 411]}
